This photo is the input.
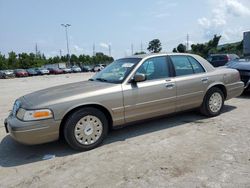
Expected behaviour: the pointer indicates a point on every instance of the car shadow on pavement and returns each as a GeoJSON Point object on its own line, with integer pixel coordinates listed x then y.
{"type": "Point", "coordinates": [14, 154]}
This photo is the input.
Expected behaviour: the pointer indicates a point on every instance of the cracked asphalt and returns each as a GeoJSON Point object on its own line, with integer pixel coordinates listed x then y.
{"type": "Point", "coordinates": [184, 150]}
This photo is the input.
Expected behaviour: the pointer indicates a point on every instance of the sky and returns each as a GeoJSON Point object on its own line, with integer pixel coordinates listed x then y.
{"type": "Point", "coordinates": [118, 23]}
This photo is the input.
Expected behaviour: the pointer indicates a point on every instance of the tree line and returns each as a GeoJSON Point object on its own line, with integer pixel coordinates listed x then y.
{"type": "Point", "coordinates": [31, 60]}
{"type": "Point", "coordinates": [25, 60]}
{"type": "Point", "coordinates": [202, 49]}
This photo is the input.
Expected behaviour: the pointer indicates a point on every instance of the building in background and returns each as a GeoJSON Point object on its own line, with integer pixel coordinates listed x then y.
{"type": "Point", "coordinates": [246, 44]}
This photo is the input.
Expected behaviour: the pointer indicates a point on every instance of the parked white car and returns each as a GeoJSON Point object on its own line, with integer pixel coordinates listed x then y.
{"type": "Point", "coordinates": [76, 69]}
{"type": "Point", "coordinates": [99, 67]}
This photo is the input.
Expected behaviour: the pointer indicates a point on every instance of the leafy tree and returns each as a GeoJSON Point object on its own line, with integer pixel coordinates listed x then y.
{"type": "Point", "coordinates": [181, 48]}
{"type": "Point", "coordinates": [154, 46]}
{"type": "Point", "coordinates": [74, 59]}
{"type": "Point", "coordinates": [12, 60]}
{"type": "Point", "coordinates": [175, 50]}
{"type": "Point", "coordinates": [3, 62]}
{"type": "Point", "coordinates": [205, 49]}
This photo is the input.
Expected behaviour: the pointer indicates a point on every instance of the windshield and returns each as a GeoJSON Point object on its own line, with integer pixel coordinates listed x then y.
{"type": "Point", "coordinates": [117, 71]}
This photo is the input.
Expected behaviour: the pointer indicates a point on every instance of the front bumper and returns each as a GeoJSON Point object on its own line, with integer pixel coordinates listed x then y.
{"type": "Point", "coordinates": [33, 132]}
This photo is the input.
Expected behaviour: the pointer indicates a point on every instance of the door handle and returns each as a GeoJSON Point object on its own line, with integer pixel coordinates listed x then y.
{"type": "Point", "coordinates": [204, 80]}
{"type": "Point", "coordinates": [170, 85]}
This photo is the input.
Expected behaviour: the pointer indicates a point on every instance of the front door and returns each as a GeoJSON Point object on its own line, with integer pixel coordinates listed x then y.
{"type": "Point", "coordinates": [155, 96]}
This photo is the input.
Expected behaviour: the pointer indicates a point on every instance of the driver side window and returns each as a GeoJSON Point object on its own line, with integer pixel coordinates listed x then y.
{"type": "Point", "coordinates": [154, 68]}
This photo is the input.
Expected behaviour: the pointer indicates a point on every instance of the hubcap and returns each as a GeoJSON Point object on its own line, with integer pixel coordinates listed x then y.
{"type": "Point", "coordinates": [215, 102]}
{"type": "Point", "coordinates": [88, 130]}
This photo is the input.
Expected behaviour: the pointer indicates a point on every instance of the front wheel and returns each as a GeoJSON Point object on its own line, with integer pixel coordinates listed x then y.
{"type": "Point", "coordinates": [85, 129]}
{"type": "Point", "coordinates": [213, 102]}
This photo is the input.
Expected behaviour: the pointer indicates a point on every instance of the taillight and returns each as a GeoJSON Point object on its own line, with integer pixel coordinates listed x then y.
{"type": "Point", "coordinates": [238, 76]}
{"type": "Point", "coordinates": [227, 58]}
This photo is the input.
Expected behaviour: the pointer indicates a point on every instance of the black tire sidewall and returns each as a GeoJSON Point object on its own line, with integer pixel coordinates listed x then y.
{"type": "Point", "coordinates": [71, 122]}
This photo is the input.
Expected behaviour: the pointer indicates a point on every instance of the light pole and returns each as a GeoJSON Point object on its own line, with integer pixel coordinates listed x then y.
{"type": "Point", "coordinates": [67, 39]}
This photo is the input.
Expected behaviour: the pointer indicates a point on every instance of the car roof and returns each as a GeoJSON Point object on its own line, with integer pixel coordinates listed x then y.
{"type": "Point", "coordinates": [142, 56]}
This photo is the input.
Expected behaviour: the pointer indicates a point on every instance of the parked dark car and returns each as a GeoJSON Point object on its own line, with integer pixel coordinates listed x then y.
{"type": "Point", "coordinates": [42, 71]}
{"type": "Point", "coordinates": [86, 68]}
{"type": "Point", "coordinates": [218, 60]}
{"type": "Point", "coordinates": [243, 66]}
{"type": "Point", "coordinates": [7, 74]}
{"type": "Point", "coordinates": [55, 71]}
{"type": "Point", "coordinates": [32, 72]}
{"type": "Point", "coordinates": [21, 73]}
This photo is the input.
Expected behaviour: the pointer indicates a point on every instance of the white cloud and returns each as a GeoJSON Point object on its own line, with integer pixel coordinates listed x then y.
{"type": "Point", "coordinates": [77, 49]}
{"type": "Point", "coordinates": [236, 8]}
{"type": "Point", "coordinates": [104, 45]}
{"type": "Point", "coordinates": [204, 22]}
{"type": "Point", "coordinates": [222, 13]}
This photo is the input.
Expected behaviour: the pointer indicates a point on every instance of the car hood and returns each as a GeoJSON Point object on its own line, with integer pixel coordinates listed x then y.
{"type": "Point", "coordinates": [240, 65]}
{"type": "Point", "coordinates": [64, 93]}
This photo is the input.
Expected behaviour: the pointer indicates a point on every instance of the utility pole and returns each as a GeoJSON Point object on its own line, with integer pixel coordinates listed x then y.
{"type": "Point", "coordinates": [93, 49]}
{"type": "Point", "coordinates": [109, 50]}
{"type": "Point", "coordinates": [141, 47]}
{"type": "Point", "coordinates": [187, 45]}
{"type": "Point", "coordinates": [36, 49]}
{"type": "Point", "coordinates": [67, 39]}
{"type": "Point", "coordinates": [60, 53]}
{"type": "Point", "coordinates": [132, 49]}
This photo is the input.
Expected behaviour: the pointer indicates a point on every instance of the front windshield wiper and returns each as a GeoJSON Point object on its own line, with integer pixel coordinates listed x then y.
{"type": "Point", "coordinates": [101, 79]}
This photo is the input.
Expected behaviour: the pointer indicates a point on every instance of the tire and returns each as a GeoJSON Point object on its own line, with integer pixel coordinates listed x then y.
{"type": "Point", "coordinates": [213, 102]}
{"type": "Point", "coordinates": [85, 129]}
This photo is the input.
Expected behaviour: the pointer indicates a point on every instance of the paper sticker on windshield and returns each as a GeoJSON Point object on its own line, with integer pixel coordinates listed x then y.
{"type": "Point", "coordinates": [127, 65]}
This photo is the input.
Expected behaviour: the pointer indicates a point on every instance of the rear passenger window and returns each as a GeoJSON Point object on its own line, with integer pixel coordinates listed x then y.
{"type": "Point", "coordinates": [196, 65]}
{"type": "Point", "coordinates": [182, 65]}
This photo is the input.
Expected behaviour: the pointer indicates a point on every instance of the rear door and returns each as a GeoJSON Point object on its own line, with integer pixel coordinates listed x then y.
{"type": "Point", "coordinates": [191, 81]}
{"type": "Point", "coordinates": [155, 96]}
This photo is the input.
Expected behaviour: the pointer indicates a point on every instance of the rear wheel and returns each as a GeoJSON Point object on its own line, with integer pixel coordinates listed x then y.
{"type": "Point", "coordinates": [85, 129]}
{"type": "Point", "coordinates": [213, 102]}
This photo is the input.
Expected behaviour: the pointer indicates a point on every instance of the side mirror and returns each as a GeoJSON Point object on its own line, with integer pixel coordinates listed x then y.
{"type": "Point", "coordinates": [139, 77]}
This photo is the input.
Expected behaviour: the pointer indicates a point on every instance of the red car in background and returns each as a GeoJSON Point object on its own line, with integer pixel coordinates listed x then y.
{"type": "Point", "coordinates": [55, 71]}
{"type": "Point", "coordinates": [21, 73]}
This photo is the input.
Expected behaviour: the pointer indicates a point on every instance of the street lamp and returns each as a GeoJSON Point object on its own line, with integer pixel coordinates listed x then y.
{"type": "Point", "coordinates": [67, 39]}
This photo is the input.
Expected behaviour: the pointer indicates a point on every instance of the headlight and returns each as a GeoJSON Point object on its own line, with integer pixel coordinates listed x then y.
{"type": "Point", "coordinates": [31, 115]}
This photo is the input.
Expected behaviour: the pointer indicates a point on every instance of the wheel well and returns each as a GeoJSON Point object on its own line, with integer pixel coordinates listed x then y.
{"type": "Point", "coordinates": [99, 107]}
{"type": "Point", "coordinates": [222, 88]}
